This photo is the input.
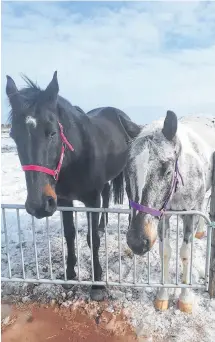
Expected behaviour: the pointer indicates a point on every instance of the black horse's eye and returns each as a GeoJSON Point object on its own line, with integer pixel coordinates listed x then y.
{"type": "Point", "coordinates": [52, 134]}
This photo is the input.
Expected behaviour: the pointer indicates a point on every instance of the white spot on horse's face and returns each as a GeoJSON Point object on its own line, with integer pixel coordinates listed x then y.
{"type": "Point", "coordinates": [141, 166]}
{"type": "Point", "coordinates": [31, 121]}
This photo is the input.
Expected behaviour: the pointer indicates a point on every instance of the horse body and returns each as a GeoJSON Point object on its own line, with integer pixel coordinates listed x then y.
{"type": "Point", "coordinates": [163, 150]}
{"type": "Point", "coordinates": [93, 149]}
{"type": "Point", "coordinates": [202, 141]}
{"type": "Point", "coordinates": [197, 140]}
{"type": "Point", "coordinates": [99, 157]}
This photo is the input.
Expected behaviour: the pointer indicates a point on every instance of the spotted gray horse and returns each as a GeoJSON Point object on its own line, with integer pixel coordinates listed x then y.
{"type": "Point", "coordinates": [170, 167]}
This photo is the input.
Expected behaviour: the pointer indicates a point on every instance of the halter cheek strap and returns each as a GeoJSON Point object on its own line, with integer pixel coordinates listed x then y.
{"type": "Point", "coordinates": [155, 212]}
{"type": "Point", "coordinates": [43, 169]}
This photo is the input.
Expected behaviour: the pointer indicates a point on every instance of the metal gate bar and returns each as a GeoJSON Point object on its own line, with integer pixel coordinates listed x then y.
{"type": "Point", "coordinates": [162, 263]}
{"type": "Point", "coordinates": [35, 247]}
{"type": "Point", "coordinates": [20, 243]}
{"type": "Point", "coordinates": [133, 283]}
{"type": "Point", "coordinates": [49, 247]}
{"type": "Point", "coordinates": [177, 251]}
{"type": "Point", "coordinates": [63, 247]}
{"type": "Point", "coordinates": [119, 246]}
{"type": "Point", "coordinates": [91, 244]}
{"type": "Point", "coordinates": [109, 283]}
{"type": "Point", "coordinates": [77, 244]}
{"type": "Point", "coordinates": [6, 240]}
{"type": "Point", "coordinates": [191, 256]}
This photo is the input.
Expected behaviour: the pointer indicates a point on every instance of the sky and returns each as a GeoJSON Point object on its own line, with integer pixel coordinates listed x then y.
{"type": "Point", "coordinates": [141, 57]}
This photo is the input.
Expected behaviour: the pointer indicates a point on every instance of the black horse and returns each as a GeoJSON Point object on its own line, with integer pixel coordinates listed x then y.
{"type": "Point", "coordinates": [69, 155]}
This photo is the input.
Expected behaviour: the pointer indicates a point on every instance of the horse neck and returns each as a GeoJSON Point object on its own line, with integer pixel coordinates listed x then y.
{"type": "Point", "coordinates": [196, 149]}
{"type": "Point", "coordinates": [76, 129]}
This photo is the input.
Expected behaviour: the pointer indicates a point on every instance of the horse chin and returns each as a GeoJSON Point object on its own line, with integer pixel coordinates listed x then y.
{"type": "Point", "coordinates": [41, 215]}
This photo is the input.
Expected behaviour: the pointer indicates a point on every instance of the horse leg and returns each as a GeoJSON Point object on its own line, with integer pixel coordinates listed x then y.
{"type": "Point", "coordinates": [105, 204]}
{"type": "Point", "coordinates": [69, 233]}
{"type": "Point", "coordinates": [185, 300]}
{"type": "Point", "coordinates": [200, 233]}
{"type": "Point", "coordinates": [162, 298]}
{"type": "Point", "coordinates": [97, 291]}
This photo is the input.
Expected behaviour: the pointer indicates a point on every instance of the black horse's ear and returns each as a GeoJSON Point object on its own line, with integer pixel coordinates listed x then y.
{"type": "Point", "coordinates": [11, 88]}
{"type": "Point", "coordinates": [170, 125]}
{"type": "Point", "coordinates": [13, 94]}
{"type": "Point", "coordinates": [52, 90]}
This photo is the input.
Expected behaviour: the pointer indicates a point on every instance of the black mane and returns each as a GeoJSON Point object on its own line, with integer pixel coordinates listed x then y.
{"type": "Point", "coordinates": [33, 95]}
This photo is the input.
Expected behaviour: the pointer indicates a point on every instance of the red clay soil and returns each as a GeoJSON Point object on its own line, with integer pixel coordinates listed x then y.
{"type": "Point", "coordinates": [78, 323]}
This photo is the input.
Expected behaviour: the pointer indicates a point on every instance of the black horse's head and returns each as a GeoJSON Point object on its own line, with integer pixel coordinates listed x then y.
{"type": "Point", "coordinates": [36, 132]}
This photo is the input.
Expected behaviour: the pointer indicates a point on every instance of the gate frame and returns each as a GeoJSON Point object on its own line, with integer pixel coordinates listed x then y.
{"type": "Point", "coordinates": [118, 211]}
{"type": "Point", "coordinates": [212, 218]}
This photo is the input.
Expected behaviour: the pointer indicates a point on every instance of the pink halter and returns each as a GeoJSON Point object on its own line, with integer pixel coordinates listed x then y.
{"type": "Point", "coordinates": [54, 173]}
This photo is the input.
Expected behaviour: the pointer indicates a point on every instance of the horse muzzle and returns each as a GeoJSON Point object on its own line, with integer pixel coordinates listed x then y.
{"type": "Point", "coordinates": [142, 238]}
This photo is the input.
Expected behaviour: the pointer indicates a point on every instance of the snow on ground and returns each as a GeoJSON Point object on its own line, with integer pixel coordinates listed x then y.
{"type": "Point", "coordinates": [171, 325]}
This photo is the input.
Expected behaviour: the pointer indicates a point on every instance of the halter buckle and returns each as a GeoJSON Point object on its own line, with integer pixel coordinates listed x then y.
{"type": "Point", "coordinates": [162, 213]}
{"type": "Point", "coordinates": [56, 174]}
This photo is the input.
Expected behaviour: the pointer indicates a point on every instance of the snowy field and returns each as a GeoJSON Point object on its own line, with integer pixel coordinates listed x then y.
{"type": "Point", "coordinates": [171, 325]}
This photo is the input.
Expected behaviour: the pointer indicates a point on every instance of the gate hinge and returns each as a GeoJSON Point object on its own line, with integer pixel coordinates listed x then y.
{"type": "Point", "coordinates": [212, 224]}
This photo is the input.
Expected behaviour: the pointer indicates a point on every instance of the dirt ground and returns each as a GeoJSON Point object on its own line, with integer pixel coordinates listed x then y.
{"type": "Point", "coordinates": [79, 322]}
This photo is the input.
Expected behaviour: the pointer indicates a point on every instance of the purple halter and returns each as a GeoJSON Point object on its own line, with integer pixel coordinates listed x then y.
{"type": "Point", "coordinates": [155, 212]}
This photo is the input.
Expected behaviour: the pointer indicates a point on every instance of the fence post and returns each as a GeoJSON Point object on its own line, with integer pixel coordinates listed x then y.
{"type": "Point", "coordinates": [212, 217]}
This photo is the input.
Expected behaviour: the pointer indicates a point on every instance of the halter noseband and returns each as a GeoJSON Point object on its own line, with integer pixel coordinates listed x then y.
{"type": "Point", "coordinates": [54, 173]}
{"type": "Point", "coordinates": [155, 212]}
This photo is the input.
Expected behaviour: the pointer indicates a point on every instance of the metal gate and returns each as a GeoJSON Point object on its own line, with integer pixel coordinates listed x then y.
{"type": "Point", "coordinates": [117, 230]}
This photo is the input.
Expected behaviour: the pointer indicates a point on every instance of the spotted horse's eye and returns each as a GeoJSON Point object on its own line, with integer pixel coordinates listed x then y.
{"type": "Point", "coordinates": [168, 172]}
{"type": "Point", "coordinates": [163, 169]}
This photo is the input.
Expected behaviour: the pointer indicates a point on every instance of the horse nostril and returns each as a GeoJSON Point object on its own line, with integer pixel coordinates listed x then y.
{"type": "Point", "coordinates": [50, 204]}
{"type": "Point", "coordinates": [137, 242]}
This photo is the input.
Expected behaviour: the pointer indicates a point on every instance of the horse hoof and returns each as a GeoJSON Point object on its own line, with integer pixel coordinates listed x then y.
{"type": "Point", "coordinates": [70, 276]}
{"type": "Point", "coordinates": [67, 286]}
{"type": "Point", "coordinates": [200, 235]}
{"type": "Point", "coordinates": [184, 307]}
{"type": "Point", "coordinates": [161, 305]}
{"type": "Point", "coordinates": [97, 294]}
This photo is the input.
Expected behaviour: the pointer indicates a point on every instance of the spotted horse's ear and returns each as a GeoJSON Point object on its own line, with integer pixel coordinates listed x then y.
{"type": "Point", "coordinates": [14, 96]}
{"type": "Point", "coordinates": [170, 125]}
